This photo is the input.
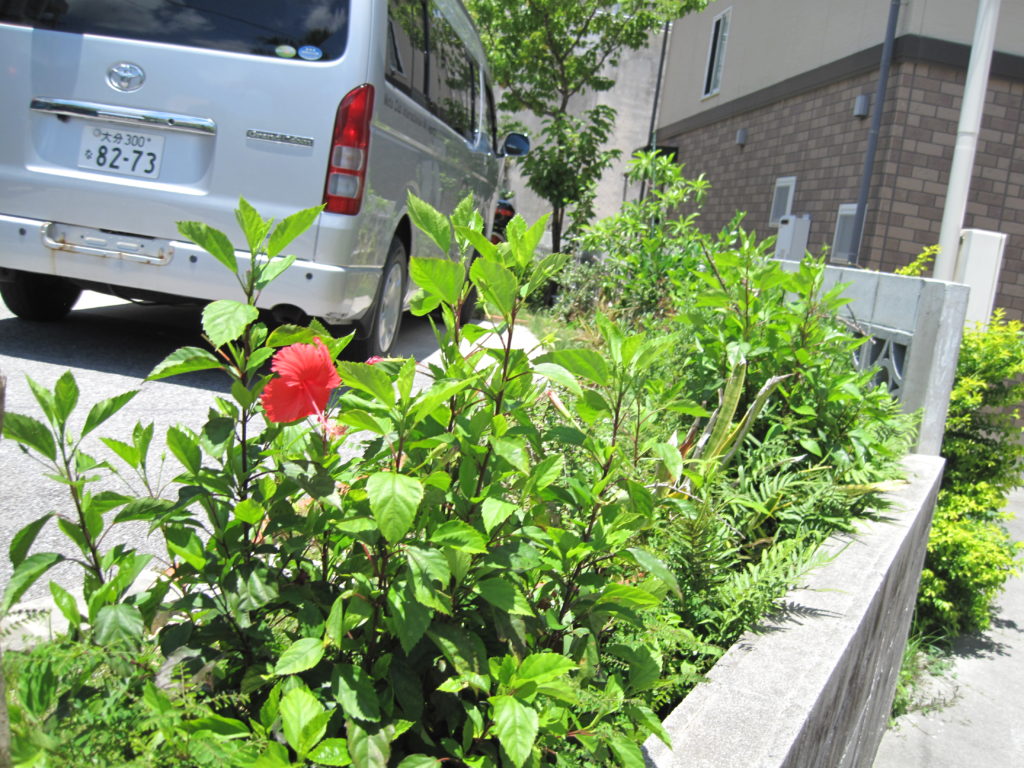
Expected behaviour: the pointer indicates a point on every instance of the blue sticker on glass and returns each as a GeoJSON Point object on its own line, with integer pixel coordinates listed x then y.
{"type": "Point", "coordinates": [310, 53]}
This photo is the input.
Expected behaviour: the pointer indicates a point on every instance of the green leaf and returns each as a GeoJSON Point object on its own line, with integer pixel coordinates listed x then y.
{"type": "Point", "coordinates": [37, 690]}
{"type": "Point", "coordinates": [185, 448]}
{"type": "Point", "coordinates": [420, 761]}
{"type": "Point", "coordinates": [23, 540]}
{"type": "Point", "coordinates": [512, 450]}
{"type": "Point", "coordinates": [459, 535]}
{"type": "Point", "coordinates": [270, 272]}
{"type": "Point", "coordinates": [249, 511]}
{"type": "Point", "coordinates": [334, 628]}
{"type": "Point", "coordinates": [302, 719]}
{"type": "Point", "coordinates": [523, 241]}
{"type": "Point", "coordinates": [354, 417]}
{"type": "Point", "coordinates": [439, 277]}
{"type": "Point", "coordinates": [254, 226]}
{"type": "Point", "coordinates": [299, 656]}
{"type": "Point", "coordinates": [504, 595]}
{"type": "Point", "coordinates": [428, 566]}
{"type": "Point", "coordinates": [67, 604]}
{"type": "Point", "coordinates": [31, 433]}
{"type": "Point", "coordinates": [276, 756]}
{"type": "Point", "coordinates": [211, 240]}
{"type": "Point", "coordinates": [118, 622]}
{"type": "Point", "coordinates": [432, 222]}
{"type": "Point", "coordinates": [407, 618]}
{"type": "Point", "coordinates": [394, 499]}
{"type": "Point", "coordinates": [541, 668]}
{"type": "Point", "coordinates": [656, 568]}
{"type": "Point", "coordinates": [290, 228]}
{"type": "Point", "coordinates": [497, 285]}
{"type": "Point", "coordinates": [427, 402]}
{"type": "Point", "coordinates": [585, 363]}
{"type": "Point", "coordinates": [331, 752]}
{"type": "Point", "coordinates": [547, 471]}
{"type": "Point", "coordinates": [25, 575]}
{"type": "Point", "coordinates": [186, 544]}
{"type": "Point", "coordinates": [670, 458]}
{"type": "Point", "coordinates": [368, 749]}
{"type": "Point", "coordinates": [184, 360]}
{"type": "Point", "coordinates": [494, 512]}
{"type": "Point", "coordinates": [368, 378]}
{"type": "Point", "coordinates": [226, 320]}
{"type": "Point", "coordinates": [515, 725]}
{"type": "Point", "coordinates": [626, 751]}
{"type": "Point", "coordinates": [559, 375]}
{"type": "Point", "coordinates": [65, 396]}
{"type": "Point", "coordinates": [353, 688]}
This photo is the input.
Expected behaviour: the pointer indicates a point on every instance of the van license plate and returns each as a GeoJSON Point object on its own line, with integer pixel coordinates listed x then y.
{"type": "Point", "coordinates": [131, 153]}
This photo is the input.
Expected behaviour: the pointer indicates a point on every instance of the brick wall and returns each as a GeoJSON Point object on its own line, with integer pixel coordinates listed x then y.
{"type": "Point", "coordinates": [815, 137]}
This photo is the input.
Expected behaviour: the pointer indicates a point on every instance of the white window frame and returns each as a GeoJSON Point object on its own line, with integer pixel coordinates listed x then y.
{"type": "Point", "coordinates": [716, 53]}
{"type": "Point", "coordinates": [846, 211]}
{"type": "Point", "coordinates": [783, 185]}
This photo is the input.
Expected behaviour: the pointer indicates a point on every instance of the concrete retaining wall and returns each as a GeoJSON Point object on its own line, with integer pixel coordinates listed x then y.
{"type": "Point", "coordinates": [812, 688]}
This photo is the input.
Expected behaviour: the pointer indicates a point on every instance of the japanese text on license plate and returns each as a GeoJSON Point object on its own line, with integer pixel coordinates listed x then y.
{"type": "Point", "coordinates": [131, 153]}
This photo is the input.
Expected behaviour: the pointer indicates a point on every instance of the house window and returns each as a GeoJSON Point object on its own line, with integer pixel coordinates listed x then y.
{"type": "Point", "coordinates": [782, 199]}
{"type": "Point", "coordinates": [716, 52]}
{"type": "Point", "coordinates": [844, 249]}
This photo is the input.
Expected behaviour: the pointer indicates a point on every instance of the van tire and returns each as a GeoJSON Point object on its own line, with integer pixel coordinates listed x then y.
{"type": "Point", "coordinates": [43, 298]}
{"type": "Point", "coordinates": [378, 333]}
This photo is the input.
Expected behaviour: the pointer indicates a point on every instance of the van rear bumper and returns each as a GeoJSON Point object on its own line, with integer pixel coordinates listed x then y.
{"type": "Point", "coordinates": [179, 268]}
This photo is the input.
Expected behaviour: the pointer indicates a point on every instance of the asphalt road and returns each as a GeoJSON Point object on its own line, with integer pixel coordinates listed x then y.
{"type": "Point", "coordinates": [110, 346]}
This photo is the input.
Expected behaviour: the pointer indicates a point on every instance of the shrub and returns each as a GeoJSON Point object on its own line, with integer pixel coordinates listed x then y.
{"type": "Point", "coordinates": [970, 554]}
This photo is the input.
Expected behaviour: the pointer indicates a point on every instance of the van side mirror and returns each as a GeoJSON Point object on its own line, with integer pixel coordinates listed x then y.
{"type": "Point", "coordinates": [516, 145]}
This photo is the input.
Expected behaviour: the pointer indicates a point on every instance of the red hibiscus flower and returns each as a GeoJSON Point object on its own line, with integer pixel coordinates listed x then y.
{"type": "Point", "coordinates": [306, 376]}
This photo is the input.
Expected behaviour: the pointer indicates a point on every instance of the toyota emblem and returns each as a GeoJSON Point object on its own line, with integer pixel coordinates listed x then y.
{"type": "Point", "coordinates": [125, 77]}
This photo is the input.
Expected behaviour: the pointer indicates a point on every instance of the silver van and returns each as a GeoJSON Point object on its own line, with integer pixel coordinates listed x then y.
{"type": "Point", "coordinates": [122, 117]}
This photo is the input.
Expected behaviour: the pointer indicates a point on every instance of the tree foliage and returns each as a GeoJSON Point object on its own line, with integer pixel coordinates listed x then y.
{"type": "Point", "coordinates": [545, 52]}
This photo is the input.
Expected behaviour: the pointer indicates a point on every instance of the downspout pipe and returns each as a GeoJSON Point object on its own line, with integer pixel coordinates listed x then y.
{"type": "Point", "coordinates": [971, 109]}
{"type": "Point", "coordinates": [873, 131]}
{"type": "Point", "coordinates": [652, 134]}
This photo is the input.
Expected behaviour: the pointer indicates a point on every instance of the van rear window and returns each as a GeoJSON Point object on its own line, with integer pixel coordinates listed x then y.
{"type": "Point", "coordinates": [312, 30]}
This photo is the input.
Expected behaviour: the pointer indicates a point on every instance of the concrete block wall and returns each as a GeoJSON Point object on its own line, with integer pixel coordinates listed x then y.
{"type": "Point", "coordinates": [812, 687]}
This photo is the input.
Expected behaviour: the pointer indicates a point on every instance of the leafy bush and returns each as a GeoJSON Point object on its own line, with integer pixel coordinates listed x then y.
{"type": "Point", "coordinates": [970, 554]}
{"type": "Point", "coordinates": [519, 563]}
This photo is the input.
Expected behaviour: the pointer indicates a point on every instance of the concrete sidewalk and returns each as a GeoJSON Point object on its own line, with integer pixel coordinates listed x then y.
{"type": "Point", "coordinates": [982, 724]}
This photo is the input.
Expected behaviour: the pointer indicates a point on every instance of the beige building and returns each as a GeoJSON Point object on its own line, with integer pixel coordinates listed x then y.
{"type": "Point", "coordinates": [771, 99]}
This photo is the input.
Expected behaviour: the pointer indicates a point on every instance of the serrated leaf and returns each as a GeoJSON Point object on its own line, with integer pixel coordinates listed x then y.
{"type": "Point", "coordinates": [497, 285]}
{"type": "Point", "coordinates": [226, 320]}
{"type": "Point", "coordinates": [585, 363]}
{"type": "Point", "coordinates": [300, 712]}
{"type": "Point", "coordinates": [368, 749]}
{"type": "Point", "coordinates": [438, 277]}
{"type": "Point", "coordinates": [249, 511]}
{"type": "Point", "coordinates": [334, 628]}
{"type": "Point", "coordinates": [253, 226]}
{"type": "Point", "coordinates": [23, 540]}
{"type": "Point", "coordinates": [184, 360]}
{"type": "Point", "coordinates": [31, 433]}
{"type": "Point", "coordinates": [504, 595]}
{"type": "Point", "coordinates": [394, 499]}
{"type": "Point", "coordinates": [104, 409]}
{"type": "Point", "coordinates": [185, 448]}
{"type": "Point", "coordinates": [353, 688]}
{"type": "Point", "coordinates": [656, 568]}
{"type": "Point", "coordinates": [299, 656]}
{"type": "Point", "coordinates": [368, 378]}
{"type": "Point", "coordinates": [273, 270]}
{"type": "Point", "coordinates": [495, 511]}
{"type": "Point", "coordinates": [559, 375]}
{"type": "Point", "coordinates": [65, 395]}
{"type": "Point", "coordinates": [427, 402]}
{"type": "Point", "coordinates": [25, 575]}
{"type": "Point", "coordinates": [407, 618]}
{"type": "Point", "coordinates": [211, 240]}
{"type": "Point", "coordinates": [118, 622]}
{"type": "Point", "coordinates": [66, 603]}
{"type": "Point", "coordinates": [627, 752]}
{"type": "Point", "coordinates": [331, 752]}
{"type": "Point", "coordinates": [431, 222]}
{"type": "Point", "coordinates": [515, 725]}
{"type": "Point", "coordinates": [420, 761]}
{"type": "Point", "coordinates": [290, 228]}
{"type": "Point", "coordinates": [459, 535]}
{"type": "Point", "coordinates": [542, 668]}
{"type": "Point", "coordinates": [512, 450]}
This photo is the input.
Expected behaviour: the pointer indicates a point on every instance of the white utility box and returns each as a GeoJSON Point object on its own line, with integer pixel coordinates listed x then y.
{"type": "Point", "coordinates": [791, 241]}
{"type": "Point", "coordinates": [978, 265]}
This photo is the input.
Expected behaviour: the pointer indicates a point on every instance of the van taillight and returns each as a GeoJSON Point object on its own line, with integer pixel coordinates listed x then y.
{"type": "Point", "coordinates": [346, 171]}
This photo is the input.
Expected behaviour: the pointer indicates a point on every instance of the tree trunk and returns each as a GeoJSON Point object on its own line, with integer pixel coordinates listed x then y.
{"type": "Point", "coordinates": [5, 723]}
{"type": "Point", "coordinates": [557, 217]}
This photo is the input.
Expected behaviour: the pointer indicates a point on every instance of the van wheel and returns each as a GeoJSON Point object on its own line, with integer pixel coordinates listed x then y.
{"type": "Point", "coordinates": [39, 297]}
{"type": "Point", "coordinates": [379, 330]}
